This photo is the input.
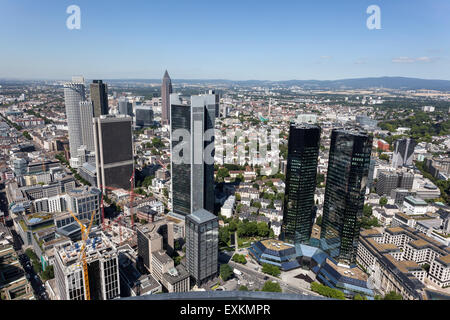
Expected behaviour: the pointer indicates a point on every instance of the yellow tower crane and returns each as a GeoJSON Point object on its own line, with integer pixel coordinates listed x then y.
{"type": "Point", "coordinates": [84, 237]}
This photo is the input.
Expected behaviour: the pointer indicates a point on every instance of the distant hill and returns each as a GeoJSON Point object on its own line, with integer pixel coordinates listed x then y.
{"type": "Point", "coordinates": [383, 82]}
{"type": "Point", "coordinates": [359, 83]}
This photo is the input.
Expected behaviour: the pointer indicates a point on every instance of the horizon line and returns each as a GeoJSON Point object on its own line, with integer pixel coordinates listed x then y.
{"type": "Point", "coordinates": [211, 79]}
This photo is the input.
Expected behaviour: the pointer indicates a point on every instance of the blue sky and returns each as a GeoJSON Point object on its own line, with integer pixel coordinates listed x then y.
{"type": "Point", "coordinates": [239, 40]}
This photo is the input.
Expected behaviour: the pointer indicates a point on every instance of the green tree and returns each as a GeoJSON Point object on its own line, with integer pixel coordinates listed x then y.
{"type": "Point", "coordinates": [225, 272]}
{"type": "Point", "coordinates": [239, 258]}
{"type": "Point", "coordinates": [270, 286]}
{"type": "Point", "coordinates": [48, 273]}
{"type": "Point", "coordinates": [383, 201]}
{"type": "Point", "coordinates": [327, 291]}
{"type": "Point", "coordinates": [271, 269]}
{"type": "Point", "coordinates": [256, 204]}
{"type": "Point", "coordinates": [320, 179]}
{"type": "Point", "coordinates": [224, 236]}
{"type": "Point", "coordinates": [223, 173]}
{"type": "Point", "coordinates": [263, 229]}
{"type": "Point", "coordinates": [319, 220]}
{"type": "Point", "coordinates": [359, 297]}
{"type": "Point", "coordinates": [393, 296]}
{"type": "Point", "coordinates": [243, 288]}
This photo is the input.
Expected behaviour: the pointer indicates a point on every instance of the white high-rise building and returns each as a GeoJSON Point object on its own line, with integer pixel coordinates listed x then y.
{"type": "Point", "coordinates": [74, 93]}
{"type": "Point", "coordinates": [87, 126]}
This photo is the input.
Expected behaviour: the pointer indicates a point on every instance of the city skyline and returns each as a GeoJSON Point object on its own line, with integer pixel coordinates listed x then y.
{"type": "Point", "coordinates": [145, 186]}
{"type": "Point", "coordinates": [242, 37]}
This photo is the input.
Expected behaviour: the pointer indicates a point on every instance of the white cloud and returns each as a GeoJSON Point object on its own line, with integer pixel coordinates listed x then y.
{"type": "Point", "coordinates": [413, 60]}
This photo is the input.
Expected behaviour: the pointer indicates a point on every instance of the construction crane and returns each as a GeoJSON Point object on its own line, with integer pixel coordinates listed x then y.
{"type": "Point", "coordinates": [84, 237]}
{"type": "Point", "coordinates": [131, 194]}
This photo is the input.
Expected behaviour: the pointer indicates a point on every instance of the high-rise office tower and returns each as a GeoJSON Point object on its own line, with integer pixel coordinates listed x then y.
{"type": "Point", "coordinates": [348, 168]}
{"type": "Point", "coordinates": [125, 107]}
{"type": "Point", "coordinates": [114, 151]}
{"type": "Point", "coordinates": [144, 116]}
{"type": "Point", "coordinates": [202, 245]}
{"type": "Point", "coordinates": [403, 152]}
{"type": "Point", "coordinates": [87, 129]}
{"type": "Point", "coordinates": [166, 91]}
{"type": "Point", "coordinates": [193, 176]}
{"type": "Point", "coordinates": [388, 181]}
{"type": "Point", "coordinates": [301, 173]}
{"type": "Point", "coordinates": [74, 93]}
{"type": "Point", "coordinates": [99, 97]}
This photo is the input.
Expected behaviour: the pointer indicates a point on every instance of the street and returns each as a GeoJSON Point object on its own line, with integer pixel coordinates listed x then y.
{"type": "Point", "coordinates": [36, 283]}
{"type": "Point", "coordinates": [253, 278]}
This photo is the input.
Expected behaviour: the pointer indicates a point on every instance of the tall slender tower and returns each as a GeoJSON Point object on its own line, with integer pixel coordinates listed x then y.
{"type": "Point", "coordinates": [74, 93]}
{"type": "Point", "coordinates": [87, 128]}
{"type": "Point", "coordinates": [348, 169]}
{"type": "Point", "coordinates": [303, 153]}
{"type": "Point", "coordinates": [166, 91]}
{"type": "Point", "coordinates": [193, 180]}
{"type": "Point", "coordinates": [99, 97]}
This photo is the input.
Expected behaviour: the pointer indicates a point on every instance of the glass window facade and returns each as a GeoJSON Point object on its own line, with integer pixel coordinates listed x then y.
{"type": "Point", "coordinates": [303, 152]}
{"type": "Point", "coordinates": [348, 169]}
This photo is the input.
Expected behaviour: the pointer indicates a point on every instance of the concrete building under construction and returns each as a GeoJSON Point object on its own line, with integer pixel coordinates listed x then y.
{"type": "Point", "coordinates": [103, 270]}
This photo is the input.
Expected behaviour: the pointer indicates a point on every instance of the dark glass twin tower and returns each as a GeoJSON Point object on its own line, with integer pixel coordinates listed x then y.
{"type": "Point", "coordinates": [303, 153]}
{"type": "Point", "coordinates": [348, 169]}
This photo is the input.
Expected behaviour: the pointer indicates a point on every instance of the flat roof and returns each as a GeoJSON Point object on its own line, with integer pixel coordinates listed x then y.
{"type": "Point", "coordinates": [275, 245]}
{"type": "Point", "coordinates": [445, 259]}
{"type": "Point", "coordinates": [415, 201]}
{"type": "Point", "coordinates": [202, 216]}
{"type": "Point", "coordinates": [354, 273]}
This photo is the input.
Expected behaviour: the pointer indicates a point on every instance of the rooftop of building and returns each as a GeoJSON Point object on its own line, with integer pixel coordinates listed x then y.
{"type": "Point", "coordinates": [415, 201]}
{"type": "Point", "coordinates": [96, 248]}
{"type": "Point", "coordinates": [371, 232]}
{"type": "Point", "coordinates": [83, 191]}
{"type": "Point", "coordinates": [405, 266]}
{"type": "Point", "coordinates": [276, 245]}
{"type": "Point", "coordinates": [176, 274]}
{"type": "Point", "coordinates": [383, 247]}
{"type": "Point", "coordinates": [444, 260]}
{"type": "Point", "coordinates": [353, 273]}
{"type": "Point", "coordinates": [202, 216]}
{"type": "Point", "coordinates": [420, 239]}
{"type": "Point", "coordinates": [162, 257]}
{"type": "Point", "coordinates": [315, 232]}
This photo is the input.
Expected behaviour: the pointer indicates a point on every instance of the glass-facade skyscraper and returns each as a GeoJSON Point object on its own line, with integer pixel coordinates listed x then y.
{"type": "Point", "coordinates": [202, 245]}
{"type": "Point", "coordinates": [301, 173]}
{"type": "Point", "coordinates": [99, 97]}
{"type": "Point", "coordinates": [192, 179]}
{"type": "Point", "coordinates": [180, 172]}
{"type": "Point", "coordinates": [348, 169]}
